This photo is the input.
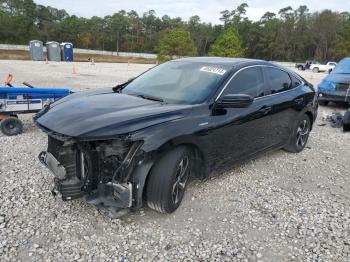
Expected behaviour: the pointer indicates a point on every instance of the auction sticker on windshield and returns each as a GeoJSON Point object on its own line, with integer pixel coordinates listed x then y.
{"type": "Point", "coordinates": [214, 70]}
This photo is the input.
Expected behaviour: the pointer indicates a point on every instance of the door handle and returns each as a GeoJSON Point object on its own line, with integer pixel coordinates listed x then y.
{"type": "Point", "coordinates": [299, 100]}
{"type": "Point", "coordinates": [265, 110]}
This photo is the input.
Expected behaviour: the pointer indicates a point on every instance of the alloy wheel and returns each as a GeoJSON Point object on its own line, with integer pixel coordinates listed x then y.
{"type": "Point", "coordinates": [302, 134]}
{"type": "Point", "coordinates": [181, 178]}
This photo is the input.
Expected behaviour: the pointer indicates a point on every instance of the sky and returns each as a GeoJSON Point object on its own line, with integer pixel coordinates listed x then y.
{"type": "Point", "coordinates": [209, 11]}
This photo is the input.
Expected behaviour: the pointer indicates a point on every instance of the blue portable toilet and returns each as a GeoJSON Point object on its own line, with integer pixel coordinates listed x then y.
{"type": "Point", "coordinates": [67, 52]}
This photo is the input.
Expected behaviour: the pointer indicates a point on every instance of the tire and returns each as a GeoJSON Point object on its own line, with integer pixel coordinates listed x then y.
{"type": "Point", "coordinates": [316, 70]}
{"type": "Point", "coordinates": [323, 103]}
{"type": "Point", "coordinates": [168, 180]}
{"type": "Point", "coordinates": [346, 121]}
{"type": "Point", "coordinates": [300, 68]}
{"type": "Point", "coordinates": [300, 135]}
{"type": "Point", "coordinates": [11, 126]}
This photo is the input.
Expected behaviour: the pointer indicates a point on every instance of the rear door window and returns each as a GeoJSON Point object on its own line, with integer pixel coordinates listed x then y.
{"type": "Point", "coordinates": [279, 80]}
{"type": "Point", "coordinates": [249, 81]}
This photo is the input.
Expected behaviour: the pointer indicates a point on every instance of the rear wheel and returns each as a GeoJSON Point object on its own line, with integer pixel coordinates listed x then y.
{"type": "Point", "coordinates": [300, 68]}
{"type": "Point", "coordinates": [168, 180]}
{"type": "Point", "coordinates": [11, 126]}
{"type": "Point", "coordinates": [300, 135]}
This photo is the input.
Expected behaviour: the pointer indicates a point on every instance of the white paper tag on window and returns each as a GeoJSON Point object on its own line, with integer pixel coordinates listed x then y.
{"type": "Point", "coordinates": [214, 70]}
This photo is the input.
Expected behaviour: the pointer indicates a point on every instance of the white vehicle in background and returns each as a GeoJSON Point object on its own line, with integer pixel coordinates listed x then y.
{"type": "Point", "coordinates": [323, 68]}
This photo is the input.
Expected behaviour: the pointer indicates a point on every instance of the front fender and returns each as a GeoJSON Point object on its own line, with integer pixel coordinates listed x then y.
{"type": "Point", "coordinates": [186, 131]}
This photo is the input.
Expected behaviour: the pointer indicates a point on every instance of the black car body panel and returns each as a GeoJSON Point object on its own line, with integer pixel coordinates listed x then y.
{"type": "Point", "coordinates": [107, 114]}
{"type": "Point", "coordinates": [108, 141]}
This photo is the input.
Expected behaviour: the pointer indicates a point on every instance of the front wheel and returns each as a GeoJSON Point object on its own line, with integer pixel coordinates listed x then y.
{"type": "Point", "coordinates": [300, 135]}
{"type": "Point", "coordinates": [316, 70]}
{"type": "Point", "coordinates": [11, 126]}
{"type": "Point", "coordinates": [168, 180]}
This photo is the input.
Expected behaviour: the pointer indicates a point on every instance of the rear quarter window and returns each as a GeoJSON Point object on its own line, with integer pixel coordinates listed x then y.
{"type": "Point", "coordinates": [295, 81]}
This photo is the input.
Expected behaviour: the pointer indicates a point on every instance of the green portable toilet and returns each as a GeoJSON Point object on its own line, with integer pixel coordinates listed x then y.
{"type": "Point", "coordinates": [53, 51]}
{"type": "Point", "coordinates": [36, 50]}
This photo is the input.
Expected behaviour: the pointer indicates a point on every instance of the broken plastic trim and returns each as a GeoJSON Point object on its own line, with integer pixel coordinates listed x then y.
{"type": "Point", "coordinates": [53, 165]}
{"type": "Point", "coordinates": [111, 195]}
{"type": "Point", "coordinates": [127, 160]}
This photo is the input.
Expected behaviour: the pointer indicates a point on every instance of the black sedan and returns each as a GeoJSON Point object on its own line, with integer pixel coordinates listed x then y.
{"type": "Point", "coordinates": [141, 141]}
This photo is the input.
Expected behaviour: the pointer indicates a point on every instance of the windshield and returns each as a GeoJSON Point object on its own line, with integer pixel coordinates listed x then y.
{"type": "Point", "coordinates": [343, 67]}
{"type": "Point", "coordinates": [178, 82]}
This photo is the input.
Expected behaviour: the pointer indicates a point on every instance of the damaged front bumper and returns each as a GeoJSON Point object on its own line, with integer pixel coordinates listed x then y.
{"type": "Point", "coordinates": [107, 173]}
{"type": "Point", "coordinates": [341, 94]}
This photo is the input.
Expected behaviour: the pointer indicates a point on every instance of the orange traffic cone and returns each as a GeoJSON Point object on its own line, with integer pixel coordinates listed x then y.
{"type": "Point", "coordinates": [74, 71]}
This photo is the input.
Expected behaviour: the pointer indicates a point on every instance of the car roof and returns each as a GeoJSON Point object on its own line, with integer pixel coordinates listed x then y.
{"type": "Point", "coordinates": [226, 61]}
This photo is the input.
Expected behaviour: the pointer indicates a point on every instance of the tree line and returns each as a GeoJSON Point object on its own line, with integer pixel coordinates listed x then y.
{"type": "Point", "coordinates": [289, 35]}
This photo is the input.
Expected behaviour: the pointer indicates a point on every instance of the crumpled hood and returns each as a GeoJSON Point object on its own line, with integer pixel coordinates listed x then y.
{"type": "Point", "coordinates": [105, 113]}
{"type": "Point", "coordinates": [329, 82]}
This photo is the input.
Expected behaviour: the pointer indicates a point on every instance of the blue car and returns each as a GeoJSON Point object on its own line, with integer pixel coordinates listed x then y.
{"type": "Point", "coordinates": [336, 86]}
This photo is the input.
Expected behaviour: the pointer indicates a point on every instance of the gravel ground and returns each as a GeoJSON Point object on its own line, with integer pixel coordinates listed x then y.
{"type": "Point", "coordinates": [279, 207]}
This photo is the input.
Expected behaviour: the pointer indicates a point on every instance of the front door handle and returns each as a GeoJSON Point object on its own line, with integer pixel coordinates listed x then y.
{"type": "Point", "coordinates": [265, 110]}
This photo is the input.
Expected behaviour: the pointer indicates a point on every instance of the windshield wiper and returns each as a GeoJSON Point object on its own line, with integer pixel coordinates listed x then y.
{"type": "Point", "coordinates": [153, 98]}
{"type": "Point", "coordinates": [118, 88]}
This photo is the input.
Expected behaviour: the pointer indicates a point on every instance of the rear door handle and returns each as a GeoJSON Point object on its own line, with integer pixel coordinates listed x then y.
{"type": "Point", "coordinates": [265, 110]}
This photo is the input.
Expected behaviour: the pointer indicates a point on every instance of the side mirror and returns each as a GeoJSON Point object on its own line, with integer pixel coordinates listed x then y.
{"type": "Point", "coordinates": [235, 101]}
